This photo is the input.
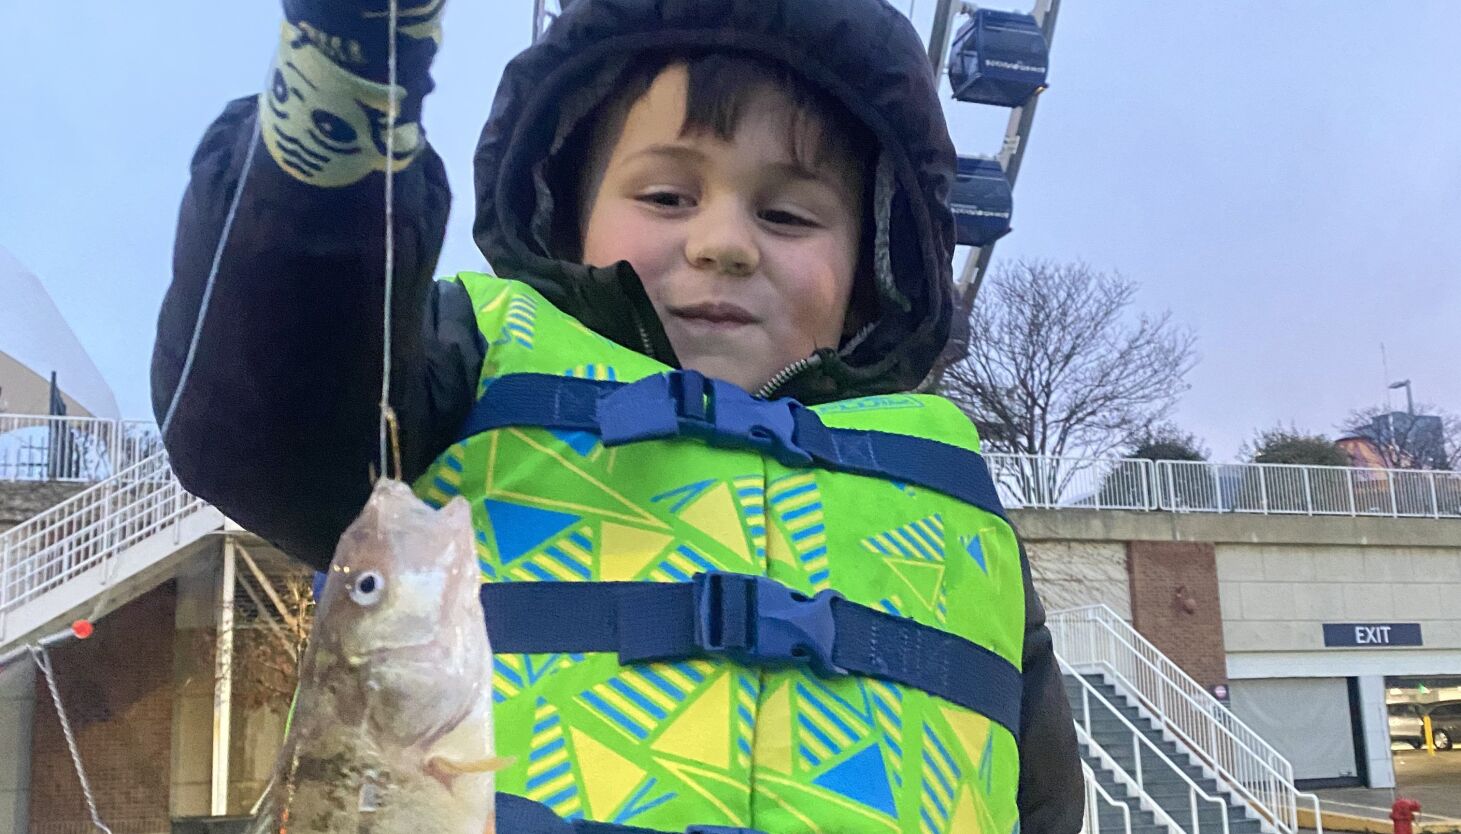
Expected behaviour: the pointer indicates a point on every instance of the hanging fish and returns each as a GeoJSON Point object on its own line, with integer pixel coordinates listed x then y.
{"type": "Point", "coordinates": [392, 726]}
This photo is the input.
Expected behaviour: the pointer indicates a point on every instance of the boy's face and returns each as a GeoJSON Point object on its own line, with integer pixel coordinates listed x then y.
{"type": "Point", "coordinates": [747, 257]}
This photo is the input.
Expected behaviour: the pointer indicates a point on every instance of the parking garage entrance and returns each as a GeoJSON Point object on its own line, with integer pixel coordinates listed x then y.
{"type": "Point", "coordinates": [1412, 703]}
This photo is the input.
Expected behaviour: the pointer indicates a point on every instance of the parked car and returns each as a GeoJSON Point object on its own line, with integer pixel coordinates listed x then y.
{"type": "Point", "coordinates": [1406, 726]}
{"type": "Point", "coordinates": [1445, 724]}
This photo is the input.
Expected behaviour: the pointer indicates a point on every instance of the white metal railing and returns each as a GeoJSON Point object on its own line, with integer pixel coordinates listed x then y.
{"type": "Point", "coordinates": [1146, 758]}
{"type": "Point", "coordinates": [1096, 638]}
{"type": "Point", "coordinates": [1044, 481]}
{"type": "Point", "coordinates": [90, 528]}
{"type": "Point", "coordinates": [1091, 824]}
{"type": "Point", "coordinates": [1050, 482]}
{"type": "Point", "coordinates": [75, 449]}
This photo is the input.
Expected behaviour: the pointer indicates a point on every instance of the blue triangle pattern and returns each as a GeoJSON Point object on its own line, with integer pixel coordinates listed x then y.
{"type": "Point", "coordinates": [862, 779]}
{"type": "Point", "coordinates": [521, 529]}
{"type": "Point", "coordinates": [986, 771]}
{"type": "Point", "coordinates": [684, 494]}
{"type": "Point", "coordinates": [975, 546]}
{"type": "Point", "coordinates": [538, 666]}
{"type": "Point", "coordinates": [641, 803]}
{"type": "Point", "coordinates": [581, 442]}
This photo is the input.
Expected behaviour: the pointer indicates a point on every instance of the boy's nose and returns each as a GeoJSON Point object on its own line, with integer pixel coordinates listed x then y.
{"type": "Point", "coordinates": [723, 241]}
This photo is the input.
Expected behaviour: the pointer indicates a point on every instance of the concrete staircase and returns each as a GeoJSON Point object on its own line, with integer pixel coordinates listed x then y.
{"type": "Point", "coordinates": [1165, 801]}
{"type": "Point", "coordinates": [98, 549]}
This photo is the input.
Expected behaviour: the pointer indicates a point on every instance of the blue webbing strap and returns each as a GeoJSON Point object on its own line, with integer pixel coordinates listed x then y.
{"type": "Point", "coordinates": [686, 404]}
{"type": "Point", "coordinates": [520, 815]}
{"type": "Point", "coordinates": [755, 621]}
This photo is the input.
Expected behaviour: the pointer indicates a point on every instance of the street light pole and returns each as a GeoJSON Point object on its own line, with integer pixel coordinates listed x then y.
{"type": "Point", "coordinates": [1409, 401]}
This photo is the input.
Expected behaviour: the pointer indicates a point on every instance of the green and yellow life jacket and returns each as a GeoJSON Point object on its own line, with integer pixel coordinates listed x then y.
{"type": "Point", "coordinates": [706, 612]}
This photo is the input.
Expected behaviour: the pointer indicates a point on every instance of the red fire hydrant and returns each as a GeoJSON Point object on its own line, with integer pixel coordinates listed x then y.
{"type": "Point", "coordinates": [1403, 813]}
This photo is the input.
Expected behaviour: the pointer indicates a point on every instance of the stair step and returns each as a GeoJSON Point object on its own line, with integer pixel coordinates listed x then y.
{"type": "Point", "coordinates": [1120, 750]}
{"type": "Point", "coordinates": [1108, 723]}
{"type": "Point", "coordinates": [1112, 730]}
{"type": "Point", "coordinates": [1112, 820]}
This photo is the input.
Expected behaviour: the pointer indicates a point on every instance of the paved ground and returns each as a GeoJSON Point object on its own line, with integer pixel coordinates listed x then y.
{"type": "Point", "coordinates": [1433, 781]}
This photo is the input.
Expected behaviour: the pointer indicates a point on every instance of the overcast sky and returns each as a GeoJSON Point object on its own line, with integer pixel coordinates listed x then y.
{"type": "Point", "coordinates": [1285, 177]}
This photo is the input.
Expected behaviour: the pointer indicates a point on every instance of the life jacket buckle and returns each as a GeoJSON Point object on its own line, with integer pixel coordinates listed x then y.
{"type": "Point", "coordinates": [757, 621]}
{"type": "Point", "coordinates": [687, 403]}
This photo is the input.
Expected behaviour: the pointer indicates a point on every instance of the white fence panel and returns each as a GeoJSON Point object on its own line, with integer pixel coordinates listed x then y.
{"type": "Point", "coordinates": [71, 449]}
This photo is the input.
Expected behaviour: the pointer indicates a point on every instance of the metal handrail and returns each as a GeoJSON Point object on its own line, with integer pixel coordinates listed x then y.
{"type": "Point", "coordinates": [1318, 814]}
{"type": "Point", "coordinates": [1094, 790]}
{"type": "Point", "coordinates": [1139, 739]}
{"type": "Point", "coordinates": [1241, 757]}
{"type": "Point", "coordinates": [38, 447]}
{"type": "Point", "coordinates": [1299, 489]}
{"type": "Point", "coordinates": [1066, 481]}
{"type": "Point", "coordinates": [1124, 777]}
{"type": "Point", "coordinates": [1053, 482]}
{"type": "Point", "coordinates": [90, 529]}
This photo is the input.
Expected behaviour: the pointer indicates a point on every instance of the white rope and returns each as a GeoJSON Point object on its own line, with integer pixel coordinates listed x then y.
{"type": "Point", "coordinates": [43, 662]}
{"type": "Point", "coordinates": [391, 110]}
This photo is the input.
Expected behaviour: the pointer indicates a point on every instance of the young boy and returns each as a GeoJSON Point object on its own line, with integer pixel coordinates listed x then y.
{"type": "Point", "coordinates": [709, 609]}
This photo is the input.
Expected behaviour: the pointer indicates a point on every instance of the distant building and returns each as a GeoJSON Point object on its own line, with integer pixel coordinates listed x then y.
{"type": "Point", "coordinates": [1399, 440]}
{"type": "Point", "coordinates": [36, 342]}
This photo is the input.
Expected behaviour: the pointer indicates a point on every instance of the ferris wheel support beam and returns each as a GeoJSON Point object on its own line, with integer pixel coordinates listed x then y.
{"type": "Point", "coordinates": [223, 682]}
{"type": "Point", "coordinates": [1011, 154]}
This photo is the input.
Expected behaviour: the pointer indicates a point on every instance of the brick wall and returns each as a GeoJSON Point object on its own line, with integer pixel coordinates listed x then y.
{"type": "Point", "coordinates": [117, 688]}
{"type": "Point", "coordinates": [1175, 604]}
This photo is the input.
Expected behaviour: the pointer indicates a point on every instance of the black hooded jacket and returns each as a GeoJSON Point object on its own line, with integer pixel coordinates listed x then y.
{"type": "Point", "coordinates": [276, 422]}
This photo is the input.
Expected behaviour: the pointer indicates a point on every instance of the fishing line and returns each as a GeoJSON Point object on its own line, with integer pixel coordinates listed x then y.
{"type": "Point", "coordinates": [386, 419]}
{"type": "Point", "coordinates": [255, 137]}
{"type": "Point", "coordinates": [42, 660]}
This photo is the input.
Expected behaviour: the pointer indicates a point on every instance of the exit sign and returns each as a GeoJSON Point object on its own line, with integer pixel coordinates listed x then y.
{"type": "Point", "coordinates": [1371, 635]}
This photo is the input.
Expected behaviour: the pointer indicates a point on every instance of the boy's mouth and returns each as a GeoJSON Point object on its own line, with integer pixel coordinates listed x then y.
{"type": "Point", "coordinates": [717, 314]}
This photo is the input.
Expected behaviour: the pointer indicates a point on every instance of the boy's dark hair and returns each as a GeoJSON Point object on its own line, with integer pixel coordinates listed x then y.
{"type": "Point", "coordinates": [722, 86]}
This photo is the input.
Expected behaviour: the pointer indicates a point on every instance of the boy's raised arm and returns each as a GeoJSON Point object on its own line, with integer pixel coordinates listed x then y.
{"type": "Point", "coordinates": [276, 420]}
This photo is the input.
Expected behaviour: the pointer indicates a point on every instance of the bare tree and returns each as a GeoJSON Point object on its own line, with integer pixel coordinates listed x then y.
{"type": "Point", "coordinates": [1428, 439]}
{"type": "Point", "coordinates": [1058, 366]}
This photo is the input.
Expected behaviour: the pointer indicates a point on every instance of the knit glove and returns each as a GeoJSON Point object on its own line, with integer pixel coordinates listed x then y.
{"type": "Point", "coordinates": [325, 116]}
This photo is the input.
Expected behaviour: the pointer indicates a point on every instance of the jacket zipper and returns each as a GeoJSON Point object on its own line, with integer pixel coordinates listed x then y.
{"type": "Point", "coordinates": [643, 332]}
{"type": "Point", "coordinates": [787, 374]}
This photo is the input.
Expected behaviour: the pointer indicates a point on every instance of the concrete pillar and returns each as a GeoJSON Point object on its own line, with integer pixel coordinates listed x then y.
{"type": "Point", "coordinates": [223, 684]}
{"type": "Point", "coordinates": [192, 726]}
{"type": "Point", "coordinates": [1375, 727]}
{"type": "Point", "coordinates": [17, 711]}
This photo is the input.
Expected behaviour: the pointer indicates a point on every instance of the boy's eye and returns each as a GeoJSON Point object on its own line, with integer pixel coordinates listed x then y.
{"type": "Point", "coordinates": [665, 199]}
{"type": "Point", "coordinates": [786, 218]}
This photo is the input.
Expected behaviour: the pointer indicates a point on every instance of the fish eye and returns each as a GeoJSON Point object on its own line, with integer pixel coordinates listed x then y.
{"type": "Point", "coordinates": [367, 589]}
